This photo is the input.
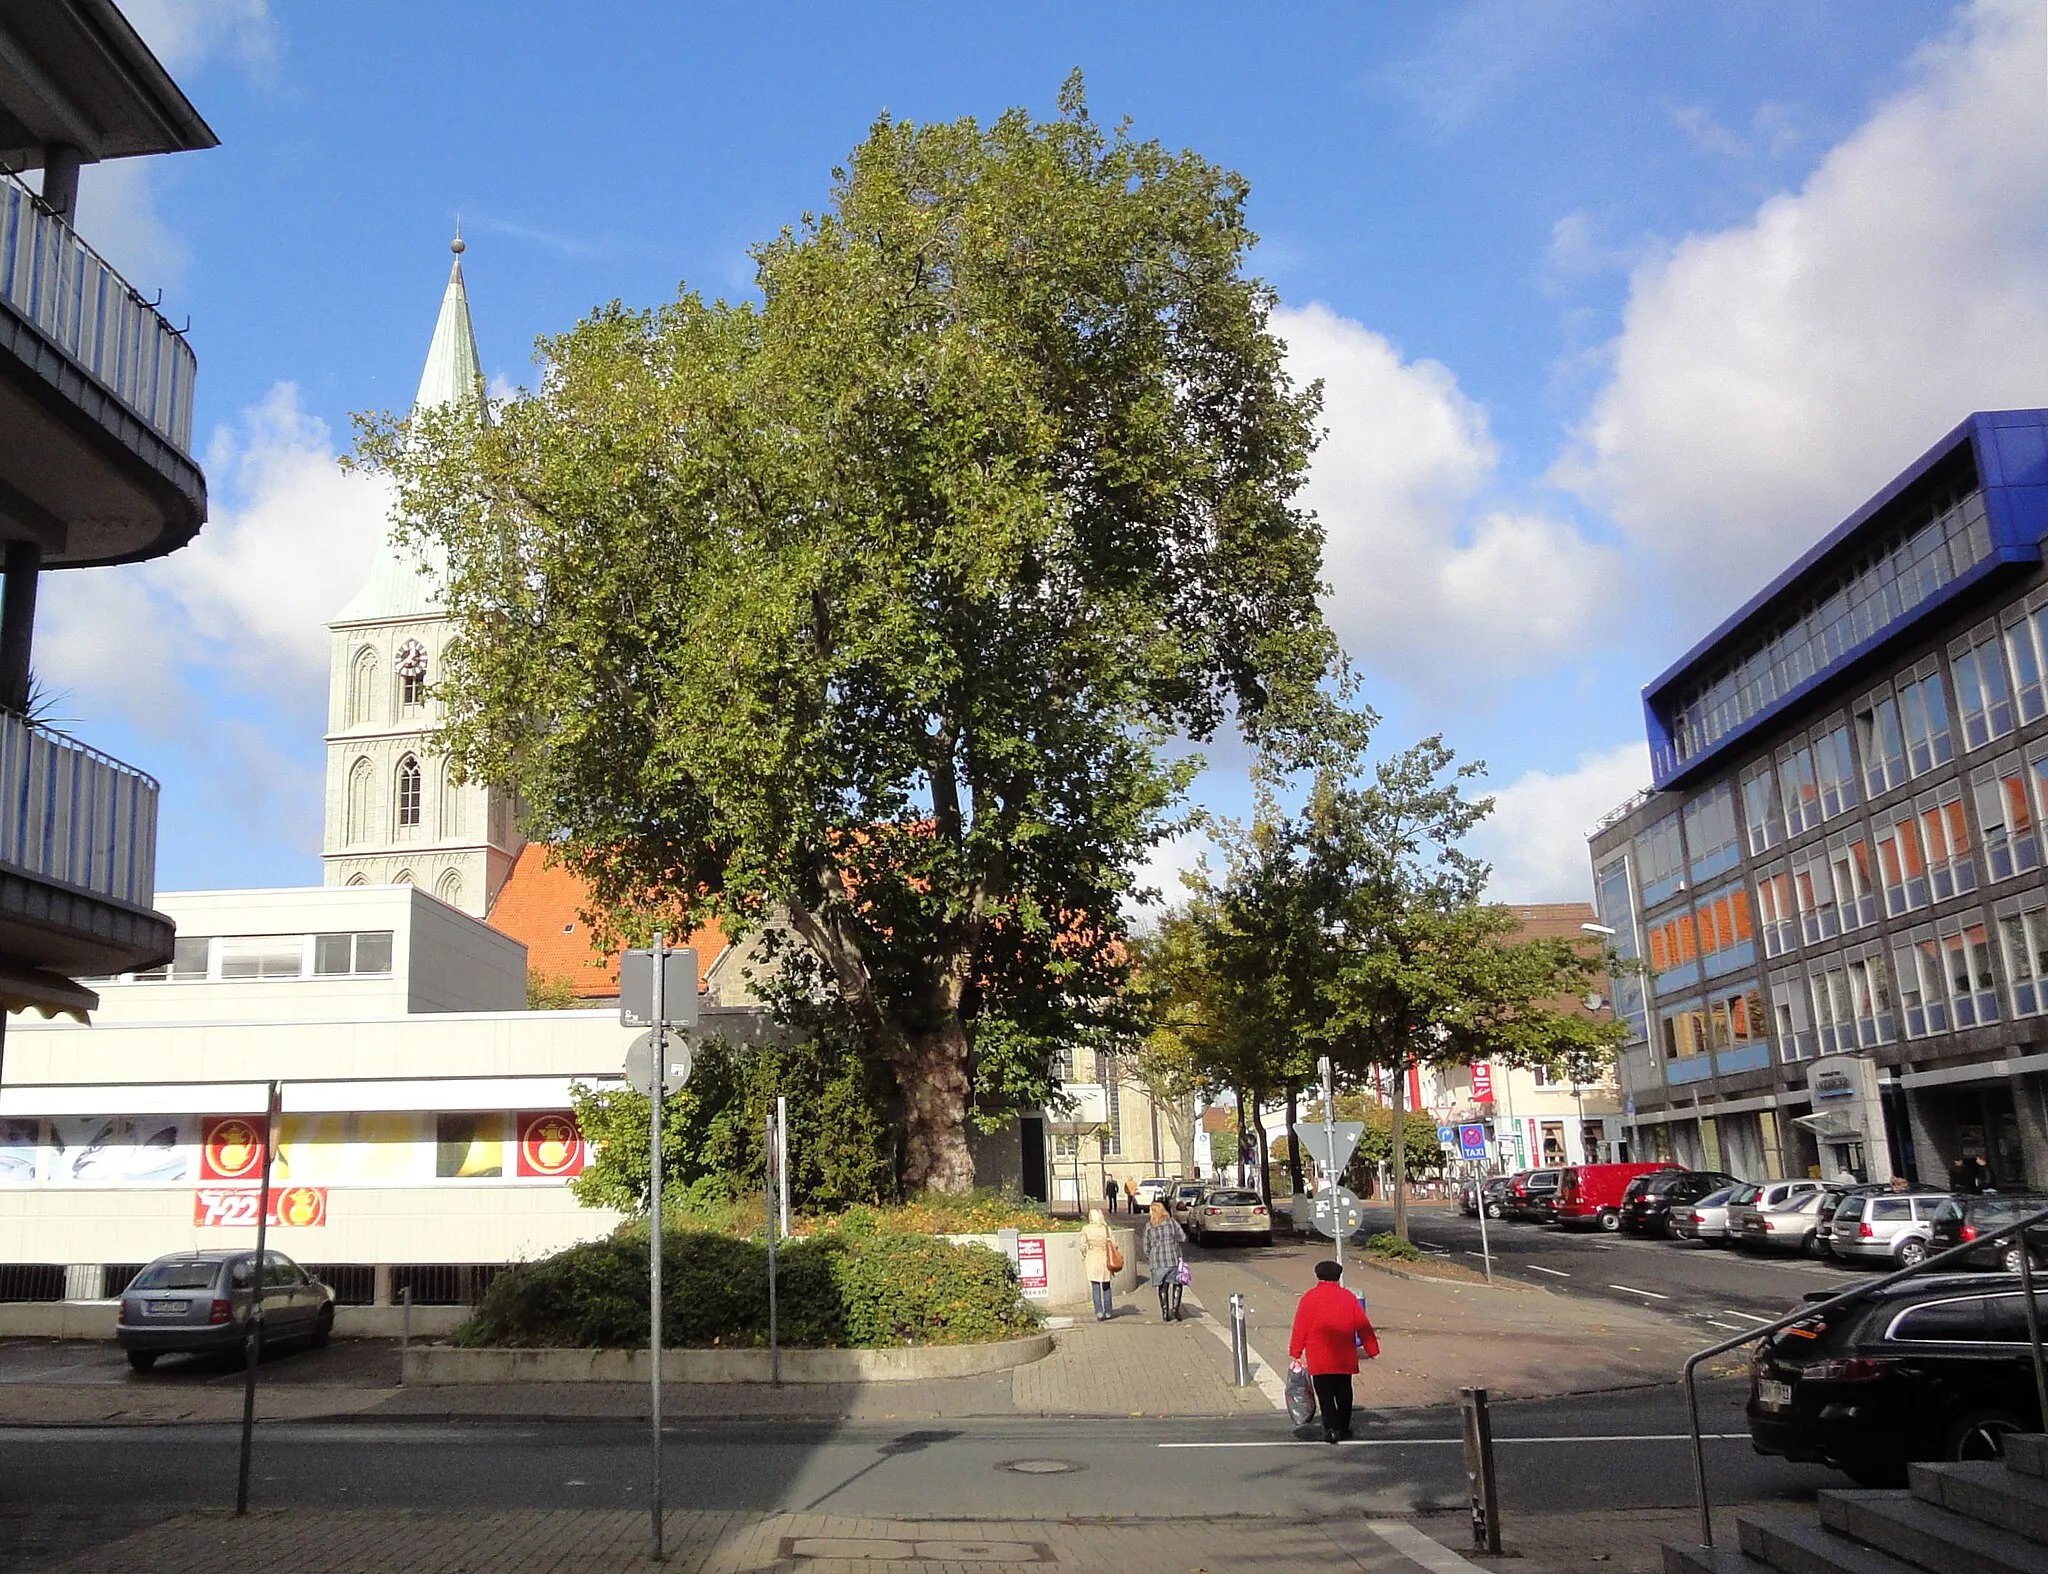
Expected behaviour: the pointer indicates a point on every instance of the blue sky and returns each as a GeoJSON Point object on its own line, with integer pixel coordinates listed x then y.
{"type": "Point", "coordinates": [1619, 305]}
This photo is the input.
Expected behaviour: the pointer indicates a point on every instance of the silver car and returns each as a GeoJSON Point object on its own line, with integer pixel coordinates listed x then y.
{"type": "Point", "coordinates": [1789, 1227]}
{"type": "Point", "coordinates": [1230, 1212]}
{"type": "Point", "coordinates": [1185, 1195]}
{"type": "Point", "coordinates": [1707, 1219]}
{"type": "Point", "coordinates": [200, 1301]}
{"type": "Point", "coordinates": [1769, 1194]}
{"type": "Point", "coordinates": [1890, 1225]}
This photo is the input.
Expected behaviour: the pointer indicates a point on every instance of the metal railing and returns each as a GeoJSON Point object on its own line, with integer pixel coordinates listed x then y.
{"type": "Point", "coordinates": [71, 814]}
{"type": "Point", "coordinates": [76, 299]}
{"type": "Point", "coordinates": [1813, 1309]}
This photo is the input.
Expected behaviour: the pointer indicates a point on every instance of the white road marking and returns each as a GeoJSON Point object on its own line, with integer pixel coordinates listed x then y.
{"type": "Point", "coordinates": [1733, 1328]}
{"type": "Point", "coordinates": [1632, 1290]}
{"type": "Point", "coordinates": [1418, 1548]}
{"type": "Point", "coordinates": [1459, 1442]}
{"type": "Point", "coordinates": [1270, 1383]}
{"type": "Point", "coordinates": [1729, 1311]}
{"type": "Point", "coordinates": [1533, 1267]}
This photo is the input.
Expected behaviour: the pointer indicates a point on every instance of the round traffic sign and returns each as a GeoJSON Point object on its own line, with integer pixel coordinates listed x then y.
{"type": "Point", "coordinates": [640, 1062]}
{"type": "Point", "coordinates": [1348, 1214]}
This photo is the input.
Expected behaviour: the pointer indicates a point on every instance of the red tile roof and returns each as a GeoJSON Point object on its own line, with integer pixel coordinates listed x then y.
{"type": "Point", "coordinates": [542, 907]}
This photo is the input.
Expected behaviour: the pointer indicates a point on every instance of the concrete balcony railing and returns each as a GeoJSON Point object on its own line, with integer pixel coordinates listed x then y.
{"type": "Point", "coordinates": [73, 816]}
{"type": "Point", "coordinates": [76, 300]}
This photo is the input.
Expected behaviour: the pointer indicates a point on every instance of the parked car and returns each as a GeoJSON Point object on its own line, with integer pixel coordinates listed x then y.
{"type": "Point", "coordinates": [1962, 1219]}
{"type": "Point", "coordinates": [1491, 1194]}
{"type": "Point", "coordinates": [1531, 1193]}
{"type": "Point", "coordinates": [199, 1301]}
{"type": "Point", "coordinates": [1789, 1227]}
{"type": "Point", "coordinates": [1707, 1219]}
{"type": "Point", "coordinates": [1185, 1195]}
{"type": "Point", "coordinates": [1887, 1224]}
{"type": "Point", "coordinates": [1589, 1195]}
{"type": "Point", "coordinates": [1230, 1212]}
{"type": "Point", "coordinates": [1935, 1367]}
{"type": "Point", "coordinates": [1769, 1194]}
{"type": "Point", "coordinates": [1837, 1198]}
{"type": "Point", "coordinates": [1157, 1189]}
{"type": "Point", "coordinates": [1646, 1205]}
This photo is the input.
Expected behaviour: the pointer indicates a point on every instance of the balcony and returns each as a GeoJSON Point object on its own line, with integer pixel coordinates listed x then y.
{"type": "Point", "coordinates": [96, 393]}
{"type": "Point", "coordinates": [77, 857]}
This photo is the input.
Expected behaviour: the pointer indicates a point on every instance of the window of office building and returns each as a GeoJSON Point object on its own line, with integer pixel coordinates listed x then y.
{"type": "Point", "coordinates": [1711, 838]}
{"type": "Point", "coordinates": [1983, 694]}
{"type": "Point", "coordinates": [1776, 914]}
{"type": "Point", "coordinates": [1852, 1002]}
{"type": "Point", "coordinates": [1834, 1024]}
{"type": "Point", "coordinates": [1813, 885]}
{"type": "Point", "coordinates": [1760, 811]}
{"type": "Point", "coordinates": [1923, 713]}
{"type": "Point", "coordinates": [1685, 1033]}
{"type": "Point", "coordinates": [1901, 863]}
{"type": "Point", "coordinates": [2005, 818]}
{"type": "Point", "coordinates": [1882, 740]}
{"type": "Point", "coordinates": [1618, 914]}
{"type": "Point", "coordinates": [1945, 978]}
{"type": "Point", "coordinates": [1660, 861]}
{"type": "Point", "coordinates": [1800, 789]}
{"type": "Point", "coordinates": [1835, 765]}
{"type": "Point", "coordinates": [2023, 937]}
{"type": "Point", "coordinates": [1973, 988]}
{"type": "Point", "coordinates": [366, 952]}
{"type": "Point", "coordinates": [1945, 839]}
{"type": "Point", "coordinates": [1674, 953]}
{"type": "Point", "coordinates": [1870, 996]}
{"type": "Point", "coordinates": [1855, 879]}
{"type": "Point", "coordinates": [1922, 982]}
{"type": "Point", "coordinates": [191, 955]}
{"type": "Point", "coordinates": [1735, 1017]}
{"type": "Point", "coordinates": [1794, 1020]}
{"type": "Point", "coordinates": [2026, 645]}
{"type": "Point", "coordinates": [1726, 939]}
{"type": "Point", "coordinates": [263, 956]}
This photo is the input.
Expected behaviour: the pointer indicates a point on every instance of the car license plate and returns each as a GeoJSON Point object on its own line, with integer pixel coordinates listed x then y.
{"type": "Point", "coordinates": [167, 1308]}
{"type": "Point", "coordinates": [1773, 1396]}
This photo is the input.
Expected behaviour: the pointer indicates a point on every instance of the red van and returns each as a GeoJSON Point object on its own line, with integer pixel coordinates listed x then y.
{"type": "Point", "coordinates": [1589, 1194]}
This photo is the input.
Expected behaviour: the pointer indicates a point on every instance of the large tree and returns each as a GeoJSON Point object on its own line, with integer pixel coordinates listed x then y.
{"type": "Point", "coordinates": [878, 603]}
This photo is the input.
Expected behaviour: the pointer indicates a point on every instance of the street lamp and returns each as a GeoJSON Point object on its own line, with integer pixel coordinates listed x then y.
{"type": "Point", "coordinates": [1597, 929]}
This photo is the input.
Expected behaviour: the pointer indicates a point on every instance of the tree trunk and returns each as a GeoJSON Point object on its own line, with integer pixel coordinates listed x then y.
{"type": "Point", "coordinates": [1177, 1115]}
{"type": "Point", "coordinates": [1265, 1163]}
{"type": "Point", "coordinates": [1293, 1142]}
{"type": "Point", "coordinates": [1240, 1136]}
{"type": "Point", "coordinates": [1397, 1136]}
{"type": "Point", "coordinates": [931, 1073]}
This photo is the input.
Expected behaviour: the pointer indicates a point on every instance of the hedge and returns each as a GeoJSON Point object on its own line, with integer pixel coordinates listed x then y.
{"type": "Point", "coordinates": [830, 1290]}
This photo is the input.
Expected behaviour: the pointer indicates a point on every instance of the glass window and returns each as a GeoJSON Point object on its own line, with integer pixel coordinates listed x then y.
{"type": "Point", "coordinates": [2005, 816]}
{"type": "Point", "coordinates": [1973, 995]}
{"type": "Point", "coordinates": [1983, 696]}
{"type": "Point", "coordinates": [369, 952]}
{"type": "Point", "coordinates": [1834, 764]}
{"type": "Point", "coordinates": [1795, 1023]}
{"type": "Point", "coordinates": [1813, 884]}
{"type": "Point", "coordinates": [1775, 910]}
{"type": "Point", "coordinates": [1855, 883]}
{"type": "Point", "coordinates": [408, 791]}
{"type": "Point", "coordinates": [373, 951]}
{"type": "Point", "coordinates": [1923, 709]}
{"type": "Point", "coordinates": [263, 956]}
{"type": "Point", "coordinates": [2024, 939]}
{"type": "Point", "coordinates": [2006, 1317]}
{"type": "Point", "coordinates": [1760, 807]}
{"type": "Point", "coordinates": [1711, 837]}
{"type": "Point", "coordinates": [1800, 788]}
{"type": "Point", "coordinates": [1901, 864]}
{"type": "Point", "coordinates": [1685, 1034]}
{"type": "Point", "coordinates": [1945, 840]}
{"type": "Point", "coordinates": [2026, 643]}
{"type": "Point", "coordinates": [1922, 985]}
{"type": "Point", "coordinates": [469, 1147]}
{"type": "Point", "coordinates": [1943, 1322]}
{"type": "Point", "coordinates": [1660, 861]}
{"type": "Point", "coordinates": [1882, 741]}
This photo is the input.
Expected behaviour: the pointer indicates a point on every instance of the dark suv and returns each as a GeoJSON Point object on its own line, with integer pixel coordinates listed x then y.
{"type": "Point", "coordinates": [1961, 1219]}
{"type": "Point", "coordinates": [1646, 1205]}
{"type": "Point", "coordinates": [1534, 1195]}
{"type": "Point", "coordinates": [1931, 1368]}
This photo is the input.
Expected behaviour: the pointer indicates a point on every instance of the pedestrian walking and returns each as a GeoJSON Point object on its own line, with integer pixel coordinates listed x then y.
{"type": "Point", "coordinates": [1131, 1195]}
{"type": "Point", "coordinates": [1109, 1193]}
{"type": "Point", "coordinates": [1163, 1239]}
{"type": "Point", "coordinates": [1330, 1332]}
{"type": "Point", "coordinates": [1101, 1259]}
{"type": "Point", "coordinates": [1981, 1178]}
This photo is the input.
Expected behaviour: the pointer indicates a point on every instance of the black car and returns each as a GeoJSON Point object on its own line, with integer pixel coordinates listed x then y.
{"type": "Point", "coordinates": [1533, 1195]}
{"type": "Point", "coordinates": [1931, 1368]}
{"type": "Point", "coordinates": [1494, 1196]}
{"type": "Point", "coordinates": [1646, 1205]}
{"type": "Point", "coordinates": [1963, 1218]}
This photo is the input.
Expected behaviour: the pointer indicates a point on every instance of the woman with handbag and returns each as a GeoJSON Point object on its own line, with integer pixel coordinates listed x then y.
{"type": "Point", "coordinates": [1103, 1262]}
{"type": "Point", "coordinates": [1330, 1332]}
{"type": "Point", "coordinates": [1164, 1265]}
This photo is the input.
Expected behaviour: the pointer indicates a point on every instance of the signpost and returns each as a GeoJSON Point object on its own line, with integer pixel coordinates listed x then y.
{"type": "Point", "coordinates": [1472, 1141]}
{"type": "Point", "coordinates": [1472, 1145]}
{"type": "Point", "coordinates": [1331, 1145]}
{"type": "Point", "coordinates": [252, 1331]}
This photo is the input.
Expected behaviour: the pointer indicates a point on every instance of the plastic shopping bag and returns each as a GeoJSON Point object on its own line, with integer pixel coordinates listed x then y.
{"type": "Point", "coordinates": [1181, 1275]}
{"type": "Point", "coordinates": [1301, 1395]}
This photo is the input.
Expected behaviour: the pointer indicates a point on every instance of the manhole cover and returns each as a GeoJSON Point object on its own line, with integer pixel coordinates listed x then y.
{"type": "Point", "coordinates": [1039, 1467]}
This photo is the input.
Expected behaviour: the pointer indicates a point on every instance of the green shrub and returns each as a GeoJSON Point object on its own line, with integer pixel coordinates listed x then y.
{"type": "Point", "coordinates": [831, 1290]}
{"type": "Point", "coordinates": [1388, 1244]}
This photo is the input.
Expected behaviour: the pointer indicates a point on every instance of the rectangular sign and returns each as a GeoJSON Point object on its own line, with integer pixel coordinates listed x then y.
{"type": "Point", "coordinates": [234, 1207]}
{"type": "Point", "coordinates": [1472, 1141]}
{"type": "Point", "coordinates": [1482, 1083]}
{"type": "Point", "coordinates": [550, 1145]}
{"type": "Point", "coordinates": [678, 988]}
{"type": "Point", "coordinates": [1031, 1275]}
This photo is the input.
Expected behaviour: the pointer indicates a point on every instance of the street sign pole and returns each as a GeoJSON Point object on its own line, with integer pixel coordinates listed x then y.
{"type": "Point", "coordinates": [1479, 1196]}
{"type": "Point", "coordinates": [1330, 1154]}
{"type": "Point", "coordinates": [252, 1331]}
{"type": "Point", "coordinates": [660, 1087]}
{"type": "Point", "coordinates": [774, 1184]}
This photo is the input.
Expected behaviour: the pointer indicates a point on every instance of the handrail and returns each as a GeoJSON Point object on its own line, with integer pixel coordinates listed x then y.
{"type": "Point", "coordinates": [1860, 1292]}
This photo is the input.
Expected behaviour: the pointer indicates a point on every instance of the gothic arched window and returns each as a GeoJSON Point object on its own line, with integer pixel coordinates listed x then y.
{"type": "Point", "coordinates": [360, 776]}
{"type": "Point", "coordinates": [362, 687]}
{"type": "Point", "coordinates": [449, 824]}
{"type": "Point", "coordinates": [358, 879]}
{"type": "Point", "coordinates": [449, 887]}
{"type": "Point", "coordinates": [408, 792]}
{"type": "Point", "coordinates": [403, 877]}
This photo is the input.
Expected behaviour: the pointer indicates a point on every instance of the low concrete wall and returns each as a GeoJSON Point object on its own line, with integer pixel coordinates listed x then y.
{"type": "Point", "coordinates": [448, 1365]}
{"type": "Point", "coordinates": [95, 1320]}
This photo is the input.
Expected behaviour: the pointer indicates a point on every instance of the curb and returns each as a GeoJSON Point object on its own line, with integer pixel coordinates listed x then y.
{"type": "Point", "coordinates": [431, 1366]}
{"type": "Point", "coordinates": [1400, 1271]}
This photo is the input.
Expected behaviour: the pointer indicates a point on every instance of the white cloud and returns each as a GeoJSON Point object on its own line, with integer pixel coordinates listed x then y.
{"type": "Point", "coordinates": [1426, 579]}
{"type": "Point", "coordinates": [1769, 377]}
{"type": "Point", "coordinates": [290, 537]}
{"type": "Point", "coordinates": [117, 216]}
{"type": "Point", "coordinates": [1536, 836]}
{"type": "Point", "coordinates": [186, 34]}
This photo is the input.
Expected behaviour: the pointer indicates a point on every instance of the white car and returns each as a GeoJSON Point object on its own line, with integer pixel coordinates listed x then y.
{"type": "Point", "coordinates": [1157, 1189]}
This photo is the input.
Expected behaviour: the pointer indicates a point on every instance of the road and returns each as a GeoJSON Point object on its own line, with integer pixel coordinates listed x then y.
{"type": "Point", "coordinates": [1712, 1286]}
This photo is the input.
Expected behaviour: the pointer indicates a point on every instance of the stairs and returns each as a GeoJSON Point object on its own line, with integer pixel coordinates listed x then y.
{"type": "Point", "coordinates": [1988, 1517]}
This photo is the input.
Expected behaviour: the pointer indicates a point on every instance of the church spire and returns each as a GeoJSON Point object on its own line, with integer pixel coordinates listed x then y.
{"type": "Point", "coordinates": [454, 373]}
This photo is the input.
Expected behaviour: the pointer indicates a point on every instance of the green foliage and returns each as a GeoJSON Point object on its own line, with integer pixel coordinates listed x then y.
{"type": "Point", "coordinates": [548, 994]}
{"type": "Point", "coordinates": [715, 1132]}
{"type": "Point", "coordinates": [882, 1289]}
{"type": "Point", "coordinates": [882, 605]}
{"type": "Point", "coordinates": [944, 1213]}
{"type": "Point", "coordinates": [1388, 1244]}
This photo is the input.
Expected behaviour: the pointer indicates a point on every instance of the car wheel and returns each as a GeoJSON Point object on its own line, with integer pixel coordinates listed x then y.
{"type": "Point", "coordinates": [1911, 1254]}
{"type": "Point", "coordinates": [1980, 1434]}
{"type": "Point", "coordinates": [1668, 1230]}
{"type": "Point", "coordinates": [142, 1360]}
{"type": "Point", "coordinates": [1823, 1245]}
{"type": "Point", "coordinates": [2010, 1260]}
{"type": "Point", "coordinates": [1610, 1221]}
{"type": "Point", "coordinates": [1495, 1211]}
{"type": "Point", "coordinates": [323, 1328]}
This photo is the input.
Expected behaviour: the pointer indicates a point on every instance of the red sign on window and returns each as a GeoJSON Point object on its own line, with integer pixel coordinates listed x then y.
{"type": "Point", "coordinates": [231, 1148]}
{"type": "Point", "coordinates": [231, 1207]}
{"type": "Point", "coordinates": [550, 1146]}
{"type": "Point", "coordinates": [1482, 1083]}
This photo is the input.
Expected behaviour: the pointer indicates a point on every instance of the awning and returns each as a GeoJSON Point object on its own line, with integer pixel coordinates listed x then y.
{"type": "Point", "coordinates": [31, 989]}
{"type": "Point", "coordinates": [1831, 1125]}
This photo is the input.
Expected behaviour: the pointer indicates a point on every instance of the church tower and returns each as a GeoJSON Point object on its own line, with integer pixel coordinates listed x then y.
{"type": "Point", "coordinates": [395, 816]}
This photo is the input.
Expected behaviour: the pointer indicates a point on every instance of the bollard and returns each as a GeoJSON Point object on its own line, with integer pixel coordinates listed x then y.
{"type": "Point", "coordinates": [404, 1331]}
{"type": "Point", "coordinates": [1240, 1340]}
{"type": "Point", "coordinates": [1479, 1470]}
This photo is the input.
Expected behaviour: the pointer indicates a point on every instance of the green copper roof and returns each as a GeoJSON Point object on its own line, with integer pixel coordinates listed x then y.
{"type": "Point", "coordinates": [404, 582]}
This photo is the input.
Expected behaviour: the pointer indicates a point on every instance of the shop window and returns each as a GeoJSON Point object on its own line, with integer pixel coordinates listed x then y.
{"type": "Point", "coordinates": [469, 1147]}
{"type": "Point", "coordinates": [1882, 741]}
{"type": "Point", "coordinates": [1983, 695]}
{"type": "Point", "coordinates": [2005, 818]}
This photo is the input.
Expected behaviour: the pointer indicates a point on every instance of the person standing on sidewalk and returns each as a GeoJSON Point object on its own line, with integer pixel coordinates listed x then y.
{"type": "Point", "coordinates": [1109, 1193]}
{"type": "Point", "coordinates": [1163, 1238]}
{"type": "Point", "coordinates": [1097, 1243]}
{"type": "Point", "coordinates": [1330, 1328]}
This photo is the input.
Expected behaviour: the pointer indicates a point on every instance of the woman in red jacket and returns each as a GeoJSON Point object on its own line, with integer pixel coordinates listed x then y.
{"type": "Point", "coordinates": [1330, 1327]}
